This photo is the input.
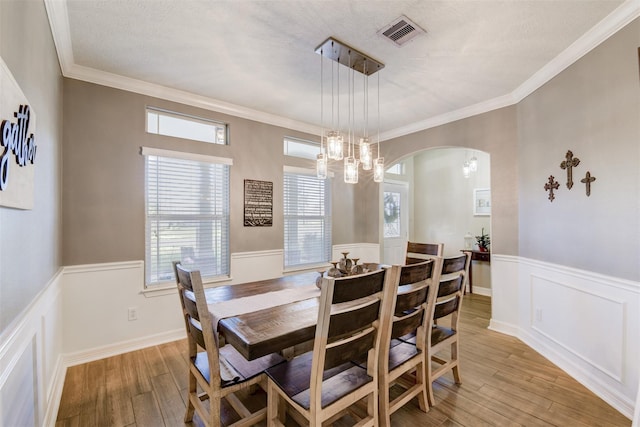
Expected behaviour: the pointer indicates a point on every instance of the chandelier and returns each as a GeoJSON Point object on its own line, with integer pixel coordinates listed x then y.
{"type": "Point", "coordinates": [332, 144]}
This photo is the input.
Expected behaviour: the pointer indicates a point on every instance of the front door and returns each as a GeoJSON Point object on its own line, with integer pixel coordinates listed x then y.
{"type": "Point", "coordinates": [395, 219]}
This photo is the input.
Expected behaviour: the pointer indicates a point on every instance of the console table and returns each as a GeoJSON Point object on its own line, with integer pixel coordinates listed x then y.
{"type": "Point", "coordinates": [476, 256]}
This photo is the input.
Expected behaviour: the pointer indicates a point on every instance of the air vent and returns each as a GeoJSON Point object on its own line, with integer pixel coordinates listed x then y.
{"type": "Point", "coordinates": [401, 31]}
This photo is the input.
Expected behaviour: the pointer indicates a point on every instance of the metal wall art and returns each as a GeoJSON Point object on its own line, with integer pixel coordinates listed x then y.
{"type": "Point", "coordinates": [550, 186]}
{"type": "Point", "coordinates": [568, 164]}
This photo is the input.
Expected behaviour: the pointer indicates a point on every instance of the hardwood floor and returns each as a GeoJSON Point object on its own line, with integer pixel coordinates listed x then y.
{"type": "Point", "coordinates": [504, 382]}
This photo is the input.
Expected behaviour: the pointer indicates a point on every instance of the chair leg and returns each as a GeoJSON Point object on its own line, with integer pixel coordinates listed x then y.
{"type": "Point", "coordinates": [275, 406]}
{"type": "Point", "coordinates": [214, 412]}
{"type": "Point", "coordinates": [429, 382]}
{"type": "Point", "coordinates": [423, 398]}
{"type": "Point", "coordinates": [383, 404]}
{"type": "Point", "coordinates": [454, 357]}
{"type": "Point", "coordinates": [193, 386]}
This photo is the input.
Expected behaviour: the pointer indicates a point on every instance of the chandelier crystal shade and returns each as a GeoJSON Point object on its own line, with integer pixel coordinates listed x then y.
{"type": "Point", "coordinates": [332, 143]}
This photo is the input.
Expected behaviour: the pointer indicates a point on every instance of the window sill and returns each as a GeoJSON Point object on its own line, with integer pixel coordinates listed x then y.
{"type": "Point", "coordinates": [307, 268]}
{"type": "Point", "coordinates": [167, 288]}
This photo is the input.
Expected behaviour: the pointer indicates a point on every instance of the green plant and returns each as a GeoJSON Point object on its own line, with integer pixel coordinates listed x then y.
{"type": "Point", "coordinates": [484, 241]}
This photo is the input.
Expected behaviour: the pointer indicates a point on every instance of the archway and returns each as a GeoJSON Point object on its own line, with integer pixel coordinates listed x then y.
{"type": "Point", "coordinates": [444, 205]}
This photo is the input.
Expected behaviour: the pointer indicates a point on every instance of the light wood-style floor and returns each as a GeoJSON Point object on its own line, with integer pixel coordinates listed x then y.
{"type": "Point", "coordinates": [504, 383]}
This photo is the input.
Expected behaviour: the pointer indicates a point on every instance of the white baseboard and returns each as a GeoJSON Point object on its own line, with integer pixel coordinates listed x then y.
{"type": "Point", "coordinates": [503, 328]}
{"type": "Point", "coordinates": [482, 291]}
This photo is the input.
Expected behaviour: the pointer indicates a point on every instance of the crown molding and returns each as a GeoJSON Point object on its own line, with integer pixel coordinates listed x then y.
{"type": "Point", "coordinates": [604, 29]}
{"type": "Point", "coordinates": [452, 116]}
{"type": "Point", "coordinates": [59, 23]}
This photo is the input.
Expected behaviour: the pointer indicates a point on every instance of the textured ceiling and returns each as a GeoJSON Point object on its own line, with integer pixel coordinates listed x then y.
{"type": "Point", "coordinates": [259, 55]}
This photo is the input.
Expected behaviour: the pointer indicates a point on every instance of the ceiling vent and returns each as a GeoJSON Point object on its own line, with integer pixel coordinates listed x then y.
{"type": "Point", "coordinates": [401, 31]}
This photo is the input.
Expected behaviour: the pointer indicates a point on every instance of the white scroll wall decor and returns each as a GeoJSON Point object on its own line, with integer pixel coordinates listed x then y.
{"type": "Point", "coordinates": [17, 144]}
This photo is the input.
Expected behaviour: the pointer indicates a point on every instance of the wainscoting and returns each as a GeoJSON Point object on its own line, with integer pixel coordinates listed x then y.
{"type": "Point", "coordinates": [587, 324]}
{"type": "Point", "coordinates": [31, 366]}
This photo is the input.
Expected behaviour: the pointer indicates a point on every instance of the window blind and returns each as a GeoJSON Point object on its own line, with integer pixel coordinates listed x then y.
{"type": "Point", "coordinates": [187, 217]}
{"type": "Point", "coordinates": [307, 220]}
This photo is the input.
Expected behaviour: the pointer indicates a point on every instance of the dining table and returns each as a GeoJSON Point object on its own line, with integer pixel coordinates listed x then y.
{"type": "Point", "coordinates": [276, 315]}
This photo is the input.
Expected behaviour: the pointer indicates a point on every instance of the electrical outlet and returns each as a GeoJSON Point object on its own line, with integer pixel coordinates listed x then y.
{"type": "Point", "coordinates": [133, 313]}
{"type": "Point", "coordinates": [538, 314]}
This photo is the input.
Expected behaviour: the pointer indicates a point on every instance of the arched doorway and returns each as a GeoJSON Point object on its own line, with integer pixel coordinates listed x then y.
{"type": "Point", "coordinates": [442, 205]}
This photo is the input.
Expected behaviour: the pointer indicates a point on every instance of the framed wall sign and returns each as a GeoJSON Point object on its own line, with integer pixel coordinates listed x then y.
{"type": "Point", "coordinates": [482, 202]}
{"type": "Point", "coordinates": [17, 144]}
{"type": "Point", "coordinates": [258, 203]}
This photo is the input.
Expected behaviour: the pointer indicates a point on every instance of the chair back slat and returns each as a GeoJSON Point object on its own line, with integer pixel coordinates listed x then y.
{"type": "Point", "coordinates": [195, 329]}
{"type": "Point", "coordinates": [409, 300]}
{"type": "Point", "coordinates": [415, 273]}
{"type": "Point", "coordinates": [444, 308]}
{"type": "Point", "coordinates": [418, 252]}
{"type": "Point", "coordinates": [348, 350]}
{"type": "Point", "coordinates": [450, 286]}
{"type": "Point", "coordinates": [354, 320]}
{"type": "Point", "coordinates": [409, 323]}
{"type": "Point", "coordinates": [356, 287]}
{"type": "Point", "coordinates": [454, 264]}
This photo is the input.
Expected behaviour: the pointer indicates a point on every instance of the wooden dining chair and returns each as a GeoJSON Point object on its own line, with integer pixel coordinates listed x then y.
{"type": "Point", "coordinates": [453, 278]}
{"type": "Point", "coordinates": [219, 372]}
{"type": "Point", "coordinates": [418, 252]}
{"type": "Point", "coordinates": [403, 363]}
{"type": "Point", "coordinates": [321, 385]}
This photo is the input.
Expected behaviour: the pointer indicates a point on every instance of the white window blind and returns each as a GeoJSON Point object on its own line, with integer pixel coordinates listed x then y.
{"type": "Point", "coordinates": [307, 220]}
{"type": "Point", "coordinates": [187, 217]}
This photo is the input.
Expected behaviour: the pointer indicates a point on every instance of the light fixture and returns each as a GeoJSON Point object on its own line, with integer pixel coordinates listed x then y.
{"type": "Point", "coordinates": [473, 164]}
{"type": "Point", "coordinates": [334, 148]}
{"type": "Point", "coordinates": [466, 169]}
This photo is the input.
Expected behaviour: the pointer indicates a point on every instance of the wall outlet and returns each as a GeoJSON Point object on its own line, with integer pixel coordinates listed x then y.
{"type": "Point", "coordinates": [133, 313]}
{"type": "Point", "coordinates": [538, 315]}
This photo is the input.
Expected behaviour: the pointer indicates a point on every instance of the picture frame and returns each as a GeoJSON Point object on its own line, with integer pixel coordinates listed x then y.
{"type": "Point", "coordinates": [482, 202]}
{"type": "Point", "coordinates": [258, 203]}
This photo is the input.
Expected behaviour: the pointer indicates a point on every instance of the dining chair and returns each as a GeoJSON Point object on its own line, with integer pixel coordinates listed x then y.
{"type": "Point", "coordinates": [220, 372]}
{"type": "Point", "coordinates": [321, 385]}
{"type": "Point", "coordinates": [403, 363]}
{"type": "Point", "coordinates": [418, 252]}
{"type": "Point", "coordinates": [453, 278]}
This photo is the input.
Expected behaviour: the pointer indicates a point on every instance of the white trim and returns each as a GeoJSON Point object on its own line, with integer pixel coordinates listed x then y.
{"type": "Point", "coordinates": [303, 171]}
{"type": "Point", "coordinates": [478, 290]}
{"type": "Point", "coordinates": [55, 393]}
{"type": "Point", "coordinates": [105, 351]}
{"type": "Point", "coordinates": [271, 252]}
{"type": "Point", "coordinates": [107, 266]}
{"type": "Point", "coordinates": [503, 327]}
{"type": "Point", "coordinates": [59, 23]}
{"type": "Point", "coordinates": [601, 279]}
{"type": "Point", "coordinates": [148, 151]}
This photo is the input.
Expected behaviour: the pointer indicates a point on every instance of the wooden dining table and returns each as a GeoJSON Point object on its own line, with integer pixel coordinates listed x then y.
{"type": "Point", "coordinates": [279, 328]}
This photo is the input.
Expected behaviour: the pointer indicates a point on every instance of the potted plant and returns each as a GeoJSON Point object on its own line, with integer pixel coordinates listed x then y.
{"type": "Point", "coordinates": [483, 241]}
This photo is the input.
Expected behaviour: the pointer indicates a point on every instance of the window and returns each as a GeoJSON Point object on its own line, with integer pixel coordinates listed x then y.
{"type": "Point", "coordinates": [397, 169]}
{"type": "Point", "coordinates": [307, 219]}
{"type": "Point", "coordinates": [187, 214]}
{"type": "Point", "coordinates": [168, 123]}
{"type": "Point", "coordinates": [301, 148]}
{"type": "Point", "coordinates": [391, 214]}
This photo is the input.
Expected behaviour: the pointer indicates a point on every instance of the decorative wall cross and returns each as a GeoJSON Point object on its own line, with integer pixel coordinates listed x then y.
{"type": "Point", "coordinates": [550, 186]}
{"type": "Point", "coordinates": [587, 180]}
{"type": "Point", "coordinates": [569, 164]}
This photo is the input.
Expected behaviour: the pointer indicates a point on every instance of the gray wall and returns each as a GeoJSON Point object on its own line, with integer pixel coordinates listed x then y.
{"type": "Point", "coordinates": [30, 239]}
{"type": "Point", "coordinates": [592, 109]}
{"type": "Point", "coordinates": [103, 195]}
